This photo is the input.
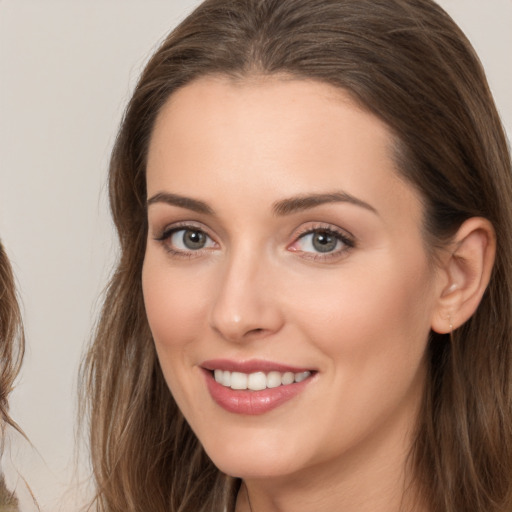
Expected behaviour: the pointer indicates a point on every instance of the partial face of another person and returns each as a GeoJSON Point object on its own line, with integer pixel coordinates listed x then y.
{"type": "Point", "coordinates": [286, 280]}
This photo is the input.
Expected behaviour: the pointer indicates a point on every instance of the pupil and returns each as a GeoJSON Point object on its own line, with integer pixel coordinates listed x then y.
{"type": "Point", "coordinates": [324, 241]}
{"type": "Point", "coordinates": [194, 239]}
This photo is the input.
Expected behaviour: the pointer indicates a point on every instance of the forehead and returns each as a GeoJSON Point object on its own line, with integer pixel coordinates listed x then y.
{"type": "Point", "coordinates": [272, 102]}
{"type": "Point", "coordinates": [270, 137]}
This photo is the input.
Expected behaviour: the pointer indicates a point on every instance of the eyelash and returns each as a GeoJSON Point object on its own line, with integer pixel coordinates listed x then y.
{"type": "Point", "coordinates": [170, 231]}
{"type": "Point", "coordinates": [346, 239]}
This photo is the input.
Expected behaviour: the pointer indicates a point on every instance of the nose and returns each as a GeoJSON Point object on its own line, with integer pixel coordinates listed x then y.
{"type": "Point", "coordinates": [246, 305]}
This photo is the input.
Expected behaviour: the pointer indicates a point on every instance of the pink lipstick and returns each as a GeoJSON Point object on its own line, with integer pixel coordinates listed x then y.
{"type": "Point", "coordinates": [253, 387]}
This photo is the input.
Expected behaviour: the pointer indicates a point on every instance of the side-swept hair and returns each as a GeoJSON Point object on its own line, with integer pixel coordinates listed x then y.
{"type": "Point", "coordinates": [408, 63]}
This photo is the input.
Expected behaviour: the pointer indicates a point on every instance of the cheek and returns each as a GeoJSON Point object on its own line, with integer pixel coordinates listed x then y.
{"type": "Point", "coordinates": [175, 302]}
{"type": "Point", "coordinates": [372, 327]}
{"type": "Point", "coordinates": [369, 316]}
{"type": "Point", "coordinates": [176, 309]}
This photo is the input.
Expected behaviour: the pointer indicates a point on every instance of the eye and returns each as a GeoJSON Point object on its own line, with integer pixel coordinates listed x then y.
{"type": "Point", "coordinates": [185, 240]}
{"type": "Point", "coordinates": [319, 241]}
{"type": "Point", "coordinates": [322, 242]}
{"type": "Point", "coordinates": [190, 240]}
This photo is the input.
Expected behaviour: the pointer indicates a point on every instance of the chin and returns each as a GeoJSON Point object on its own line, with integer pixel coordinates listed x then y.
{"type": "Point", "coordinates": [252, 460]}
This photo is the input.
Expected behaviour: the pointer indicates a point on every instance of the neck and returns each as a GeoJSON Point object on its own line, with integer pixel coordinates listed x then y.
{"type": "Point", "coordinates": [381, 495]}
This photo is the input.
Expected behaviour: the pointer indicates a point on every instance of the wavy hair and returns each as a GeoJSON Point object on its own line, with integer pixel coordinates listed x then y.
{"type": "Point", "coordinates": [12, 339]}
{"type": "Point", "coordinates": [409, 64]}
{"type": "Point", "coordinates": [12, 346]}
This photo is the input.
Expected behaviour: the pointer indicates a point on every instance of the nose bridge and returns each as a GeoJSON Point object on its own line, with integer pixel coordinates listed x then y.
{"type": "Point", "coordinates": [245, 305]}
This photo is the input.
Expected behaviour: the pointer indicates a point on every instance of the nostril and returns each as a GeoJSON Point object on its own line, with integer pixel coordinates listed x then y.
{"type": "Point", "coordinates": [259, 330]}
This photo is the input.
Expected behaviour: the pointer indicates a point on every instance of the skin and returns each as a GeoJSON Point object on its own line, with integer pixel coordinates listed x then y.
{"type": "Point", "coordinates": [358, 316]}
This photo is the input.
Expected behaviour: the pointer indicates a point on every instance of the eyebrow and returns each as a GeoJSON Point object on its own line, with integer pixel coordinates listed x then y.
{"type": "Point", "coordinates": [305, 202]}
{"type": "Point", "coordinates": [183, 202]}
{"type": "Point", "coordinates": [280, 208]}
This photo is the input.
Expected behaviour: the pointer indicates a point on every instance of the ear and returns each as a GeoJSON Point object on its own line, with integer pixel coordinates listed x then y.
{"type": "Point", "coordinates": [464, 274]}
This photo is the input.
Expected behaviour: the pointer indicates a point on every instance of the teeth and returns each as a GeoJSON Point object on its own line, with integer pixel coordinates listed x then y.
{"type": "Point", "coordinates": [274, 380]}
{"type": "Point", "coordinates": [287, 378]}
{"type": "Point", "coordinates": [238, 380]}
{"type": "Point", "coordinates": [226, 379]}
{"type": "Point", "coordinates": [258, 380]}
{"type": "Point", "coordinates": [299, 377]}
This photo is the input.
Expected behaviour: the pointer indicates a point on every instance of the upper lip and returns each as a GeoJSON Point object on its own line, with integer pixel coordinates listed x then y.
{"type": "Point", "coordinates": [250, 366]}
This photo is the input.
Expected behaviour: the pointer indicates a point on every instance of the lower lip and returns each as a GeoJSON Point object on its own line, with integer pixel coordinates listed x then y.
{"type": "Point", "coordinates": [252, 402]}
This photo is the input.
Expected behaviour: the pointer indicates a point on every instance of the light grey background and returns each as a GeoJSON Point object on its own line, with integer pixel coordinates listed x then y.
{"type": "Point", "coordinates": [66, 71]}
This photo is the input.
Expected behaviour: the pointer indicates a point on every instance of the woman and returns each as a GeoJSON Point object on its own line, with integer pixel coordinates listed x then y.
{"type": "Point", "coordinates": [12, 347]}
{"type": "Point", "coordinates": [311, 310]}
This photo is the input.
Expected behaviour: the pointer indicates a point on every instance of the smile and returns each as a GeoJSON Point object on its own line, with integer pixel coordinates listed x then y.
{"type": "Point", "coordinates": [258, 381]}
{"type": "Point", "coordinates": [254, 387]}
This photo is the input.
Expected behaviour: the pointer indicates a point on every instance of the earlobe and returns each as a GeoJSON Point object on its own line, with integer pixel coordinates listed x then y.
{"type": "Point", "coordinates": [467, 270]}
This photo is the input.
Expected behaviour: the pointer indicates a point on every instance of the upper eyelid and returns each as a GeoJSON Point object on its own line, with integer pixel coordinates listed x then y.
{"type": "Point", "coordinates": [176, 226]}
{"type": "Point", "coordinates": [320, 226]}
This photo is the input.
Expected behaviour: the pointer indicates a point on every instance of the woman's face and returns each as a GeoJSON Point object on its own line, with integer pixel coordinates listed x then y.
{"type": "Point", "coordinates": [284, 254]}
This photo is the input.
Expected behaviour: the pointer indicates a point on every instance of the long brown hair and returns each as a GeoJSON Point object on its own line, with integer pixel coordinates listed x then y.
{"type": "Point", "coordinates": [408, 63]}
{"type": "Point", "coordinates": [12, 339]}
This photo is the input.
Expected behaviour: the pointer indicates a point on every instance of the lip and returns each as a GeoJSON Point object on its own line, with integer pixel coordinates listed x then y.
{"type": "Point", "coordinates": [250, 366]}
{"type": "Point", "coordinates": [248, 402]}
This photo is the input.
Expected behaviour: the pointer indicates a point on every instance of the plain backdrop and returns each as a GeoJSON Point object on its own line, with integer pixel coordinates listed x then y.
{"type": "Point", "coordinates": [66, 71]}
